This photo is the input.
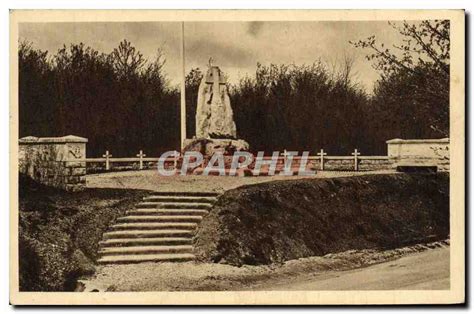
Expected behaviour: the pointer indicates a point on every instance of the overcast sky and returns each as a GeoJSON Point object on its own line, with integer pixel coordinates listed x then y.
{"type": "Point", "coordinates": [235, 46]}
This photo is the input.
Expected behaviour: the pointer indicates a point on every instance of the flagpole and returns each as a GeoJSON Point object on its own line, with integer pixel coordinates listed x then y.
{"type": "Point", "coordinates": [183, 90]}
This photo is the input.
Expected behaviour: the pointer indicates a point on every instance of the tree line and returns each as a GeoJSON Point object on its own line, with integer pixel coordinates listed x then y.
{"type": "Point", "coordinates": [123, 102]}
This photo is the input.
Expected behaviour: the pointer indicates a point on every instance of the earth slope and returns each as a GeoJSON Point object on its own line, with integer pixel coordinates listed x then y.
{"type": "Point", "coordinates": [282, 220]}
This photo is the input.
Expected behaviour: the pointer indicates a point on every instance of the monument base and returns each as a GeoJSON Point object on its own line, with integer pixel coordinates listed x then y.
{"type": "Point", "coordinates": [208, 146]}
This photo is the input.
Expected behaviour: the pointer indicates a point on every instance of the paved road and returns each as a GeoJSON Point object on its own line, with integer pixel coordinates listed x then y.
{"type": "Point", "coordinates": [425, 270]}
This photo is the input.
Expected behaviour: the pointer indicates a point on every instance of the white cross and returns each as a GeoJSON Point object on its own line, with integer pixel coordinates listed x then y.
{"type": "Point", "coordinates": [285, 154]}
{"type": "Point", "coordinates": [321, 154]}
{"type": "Point", "coordinates": [356, 163]}
{"type": "Point", "coordinates": [175, 160]}
{"type": "Point", "coordinates": [107, 161]}
{"type": "Point", "coordinates": [141, 155]}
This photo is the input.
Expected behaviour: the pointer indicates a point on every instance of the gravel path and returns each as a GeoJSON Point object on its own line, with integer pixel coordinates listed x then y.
{"type": "Point", "coordinates": [151, 180]}
{"type": "Point", "coordinates": [428, 270]}
{"type": "Point", "coordinates": [416, 267]}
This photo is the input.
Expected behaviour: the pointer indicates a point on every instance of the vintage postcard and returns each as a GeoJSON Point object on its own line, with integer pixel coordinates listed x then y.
{"type": "Point", "coordinates": [237, 157]}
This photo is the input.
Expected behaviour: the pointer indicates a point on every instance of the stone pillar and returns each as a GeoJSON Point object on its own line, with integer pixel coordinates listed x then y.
{"type": "Point", "coordinates": [419, 152]}
{"type": "Point", "coordinates": [54, 161]}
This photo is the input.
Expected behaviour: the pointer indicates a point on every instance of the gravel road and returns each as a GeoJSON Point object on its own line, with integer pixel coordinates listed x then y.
{"type": "Point", "coordinates": [415, 267]}
{"type": "Point", "coordinates": [151, 180]}
{"type": "Point", "coordinates": [426, 270]}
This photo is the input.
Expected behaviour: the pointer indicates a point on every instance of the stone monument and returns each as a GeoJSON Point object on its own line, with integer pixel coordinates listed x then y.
{"type": "Point", "coordinates": [215, 126]}
{"type": "Point", "coordinates": [214, 116]}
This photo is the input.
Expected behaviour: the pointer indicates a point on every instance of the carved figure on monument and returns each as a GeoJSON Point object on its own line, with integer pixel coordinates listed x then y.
{"type": "Point", "coordinates": [214, 116]}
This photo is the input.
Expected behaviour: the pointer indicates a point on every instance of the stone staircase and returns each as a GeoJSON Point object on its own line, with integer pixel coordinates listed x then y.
{"type": "Point", "coordinates": [159, 229]}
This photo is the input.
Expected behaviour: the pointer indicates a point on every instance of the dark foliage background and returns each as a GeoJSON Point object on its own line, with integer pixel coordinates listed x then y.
{"type": "Point", "coordinates": [123, 102]}
{"type": "Point", "coordinates": [119, 101]}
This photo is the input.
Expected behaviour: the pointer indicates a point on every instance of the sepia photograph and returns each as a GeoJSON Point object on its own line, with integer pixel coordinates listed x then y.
{"type": "Point", "coordinates": [237, 157]}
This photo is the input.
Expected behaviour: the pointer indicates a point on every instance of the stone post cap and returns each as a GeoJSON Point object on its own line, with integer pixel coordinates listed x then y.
{"type": "Point", "coordinates": [55, 140]}
{"type": "Point", "coordinates": [417, 141]}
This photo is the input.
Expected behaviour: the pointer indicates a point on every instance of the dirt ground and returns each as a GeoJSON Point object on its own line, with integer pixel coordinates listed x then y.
{"type": "Point", "coordinates": [428, 270]}
{"type": "Point", "coordinates": [151, 180]}
{"type": "Point", "coordinates": [416, 267]}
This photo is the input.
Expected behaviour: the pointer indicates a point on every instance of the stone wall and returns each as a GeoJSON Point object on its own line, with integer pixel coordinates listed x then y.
{"type": "Point", "coordinates": [99, 166]}
{"type": "Point", "coordinates": [54, 161]}
{"type": "Point", "coordinates": [421, 152]}
{"type": "Point", "coordinates": [374, 164]}
{"type": "Point", "coordinates": [347, 163]}
{"type": "Point", "coordinates": [331, 163]}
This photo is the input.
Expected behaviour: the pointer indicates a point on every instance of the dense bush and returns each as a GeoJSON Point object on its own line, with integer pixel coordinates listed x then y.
{"type": "Point", "coordinates": [301, 108]}
{"type": "Point", "coordinates": [411, 97]}
{"type": "Point", "coordinates": [119, 101]}
{"type": "Point", "coordinates": [123, 103]}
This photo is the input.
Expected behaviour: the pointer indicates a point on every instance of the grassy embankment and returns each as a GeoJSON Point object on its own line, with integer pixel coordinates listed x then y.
{"type": "Point", "coordinates": [282, 220]}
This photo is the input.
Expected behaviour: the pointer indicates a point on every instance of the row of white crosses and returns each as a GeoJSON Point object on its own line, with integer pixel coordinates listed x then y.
{"type": "Point", "coordinates": [107, 157]}
{"type": "Point", "coordinates": [356, 153]}
{"type": "Point", "coordinates": [140, 156]}
{"type": "Point", "coordinates": [285, 154]}
{"type": "Point", "coordinates": [321, 155]}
